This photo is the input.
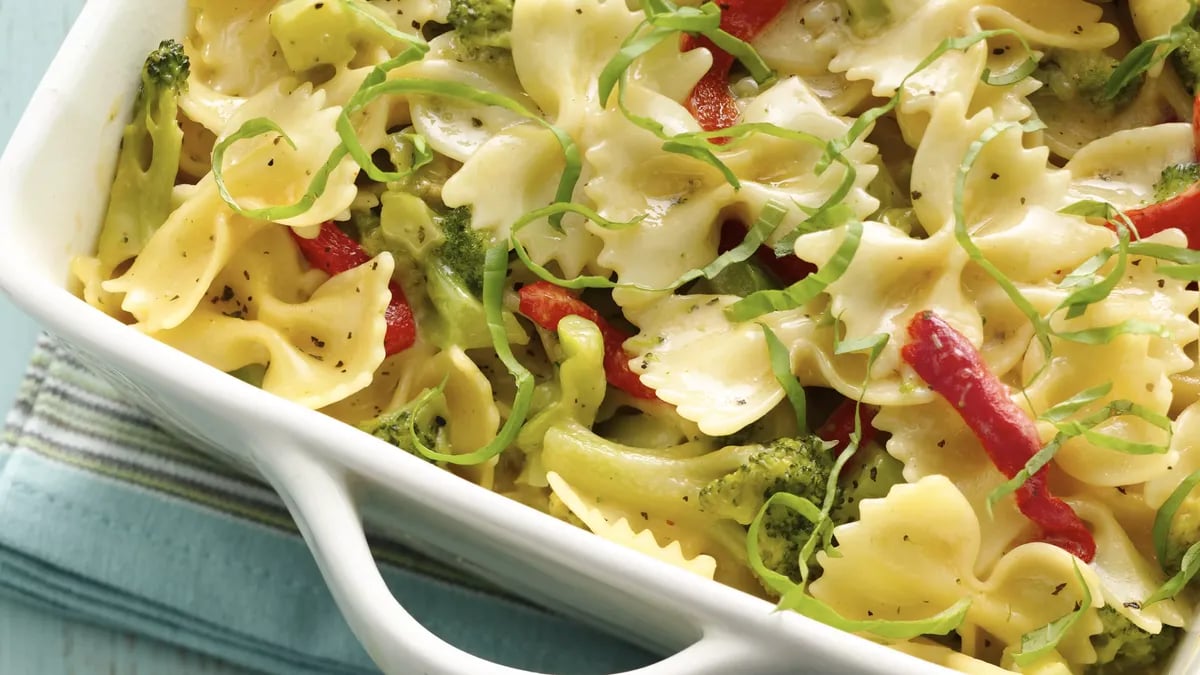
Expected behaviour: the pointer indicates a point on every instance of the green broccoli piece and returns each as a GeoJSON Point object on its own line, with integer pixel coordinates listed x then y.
{"type": "Point", "coordinates": [1082, 75]}
{"type": "Point", "coordinates": [794, 465]}
{"type": "Point", "coordinates": [140, 200]}
{"type": "Point", "coordinates": [1186, 59]}
{"type": "Point", "coordinates": [483, 26]}
{"type": "Point", "coordinates": [1176, 179]}
{"type": "Point", "coordinates": [465, 248]}
{"type": "Point", "coordinates": [801, 468]}
{"type": "Point", "coordinates": [400, 428]}
{"type": "Point", "coordinates": [1122, 647]}
{"type": "Point", "coordinates": [868, 17]}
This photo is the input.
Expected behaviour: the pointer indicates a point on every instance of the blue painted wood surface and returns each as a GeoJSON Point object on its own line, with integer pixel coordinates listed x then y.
{"type": "Point", "coordinates": [34, 641]}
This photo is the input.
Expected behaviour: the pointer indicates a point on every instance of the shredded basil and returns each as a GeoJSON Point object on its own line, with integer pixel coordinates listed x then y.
{"type": "Point", "coordinates": [781, 367]}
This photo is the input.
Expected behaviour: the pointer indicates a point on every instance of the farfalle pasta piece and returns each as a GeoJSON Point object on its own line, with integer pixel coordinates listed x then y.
{"type": "Point", "coordinates": [609, 523]}
{"type": "Point", "coordinates": [318, 345]}
{"type": "Point", "coordinates": [892, 277]}
{"type": "Point", "coordinates": [1138, 371]}
{"type": "Point", "coordinates": [582, 36]}
{"type": "Point", "coordinates": [931, 440]}
{"type": "Point", "coordinates": [232, 49]}
{"type": "Point", "coordinates": [1126, 575]}
{"type": "Point", "coordinates": [714, 372]}
{"type": "Point", "coordinates": [802, 41]}
{"type": "Point", "coordinates": [678, 198]}
{"type": "Point", "coordinates": [172, 274]}
{"type": "Point", "coordinates": [1186, 445]}
{"type": "Point", "coordinates": [1022, 178]}
{"type": "Point", "coordinates": [914, 552]}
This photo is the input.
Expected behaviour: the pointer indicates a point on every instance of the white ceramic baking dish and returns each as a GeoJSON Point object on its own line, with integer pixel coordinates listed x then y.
{"type": "Point", "coordinates": [54, 178]}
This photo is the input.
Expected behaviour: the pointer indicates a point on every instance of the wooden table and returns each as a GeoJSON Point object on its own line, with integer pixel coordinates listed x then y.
{"type": "Point", "coordinates": [34, 641]}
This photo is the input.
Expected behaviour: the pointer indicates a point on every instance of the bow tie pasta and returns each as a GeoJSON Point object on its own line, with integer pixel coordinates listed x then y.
{"type": "Point", "coordinates": [883, 310]}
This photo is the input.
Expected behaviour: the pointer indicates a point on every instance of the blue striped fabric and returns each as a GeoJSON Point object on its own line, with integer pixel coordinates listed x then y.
{"type": "Point", "coordinates": [107, 518]}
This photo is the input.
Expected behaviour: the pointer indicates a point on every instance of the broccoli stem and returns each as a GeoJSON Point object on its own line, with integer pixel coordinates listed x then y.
{"type": "Point", "coordinates": [140, 199]}
{"type": "Point", "coordinates": [664, 482]}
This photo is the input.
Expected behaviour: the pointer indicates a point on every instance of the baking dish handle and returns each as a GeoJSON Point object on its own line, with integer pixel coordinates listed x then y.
{"type": "Point", "coordinates": [319, 499]}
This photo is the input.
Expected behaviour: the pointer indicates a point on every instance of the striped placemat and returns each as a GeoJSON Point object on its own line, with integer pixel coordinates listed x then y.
{"type": "Point", "coordinates": [109, 518]}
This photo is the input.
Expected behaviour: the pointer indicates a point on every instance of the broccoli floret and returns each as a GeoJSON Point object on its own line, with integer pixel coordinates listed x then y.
{"type": "Point", "coordinates": [140, 200]}
{"type": "Point", "coordinates": [794, 465]}
{"type": "Point", "coordinates": [1176, 179]}
{"type": "Point", "coordinates": [465, 248]}
{"type": "Point", "coordinates": [483, 26]}
{"type": "Point", "coordinates": [1122, 647]}
{"type": "Point", "coordinates": [1186, 59]}
{"type": "Point", "coordinates": [1082, 75]}
{"type": "Point", "coordinates": [867, 17]}
{"type": "Point", "coordinates": [399, 427]}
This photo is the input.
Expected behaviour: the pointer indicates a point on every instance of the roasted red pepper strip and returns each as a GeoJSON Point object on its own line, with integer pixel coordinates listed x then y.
{"type": "Point", "coordinates": [788, 269]}
{"type": "Point", "coordinates": [711, 102]}
{"type": "Point", "coordinates": [840, 425]}
{"type": "Point", "coordinates": [953, 368]}
{"type": "Point", "coordinates": [546, 304]}
{"type": "Point", "coordinates": [1181, 211]}
{"type": "Point", "coordinates": [334, 252]}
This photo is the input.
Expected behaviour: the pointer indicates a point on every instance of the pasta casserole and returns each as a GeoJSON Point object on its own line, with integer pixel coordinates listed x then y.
{"type": "Point", "coordinates": [885, 310]}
